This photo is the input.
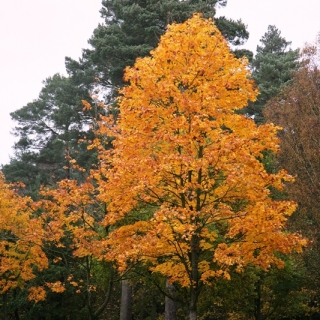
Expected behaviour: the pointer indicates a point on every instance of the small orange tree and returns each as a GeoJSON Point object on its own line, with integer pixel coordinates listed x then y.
{"type": "Point", "coordinates": [20, 246]}
{"type": "Point", "coordinates": [182, 152]}
{"type": "Point", "coordinates": [70, 222]}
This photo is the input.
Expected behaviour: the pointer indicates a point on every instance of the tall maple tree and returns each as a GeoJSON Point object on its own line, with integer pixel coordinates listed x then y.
{"type": "Point", "coordinates": [182, 153]}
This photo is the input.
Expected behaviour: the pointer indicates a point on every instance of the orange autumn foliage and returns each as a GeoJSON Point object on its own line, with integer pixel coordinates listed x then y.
{"type": "Point", "coordinates": [20, 245]}
{"type": "Point", "coordinates": [68, 219]}
{"type": "Point", "coordinates": [70, 209]}
{"type": "Point", "coordinates": [187, 193]}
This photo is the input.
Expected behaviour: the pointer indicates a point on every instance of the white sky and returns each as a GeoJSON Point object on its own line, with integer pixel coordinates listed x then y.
{"type": "Point", "coordinates": [36, 35]}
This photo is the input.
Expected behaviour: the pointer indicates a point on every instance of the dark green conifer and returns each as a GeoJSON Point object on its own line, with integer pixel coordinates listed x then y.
{"type": "Point", "coordinates": [131, 29]}
{"type": "Point", "coordinates": [272, 68]}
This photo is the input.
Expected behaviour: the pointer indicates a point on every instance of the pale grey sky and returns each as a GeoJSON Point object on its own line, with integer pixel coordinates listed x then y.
{"type": "Point", "coordinates": [36, 35]}
{"type": "Point", "coordinates": [297, 20]}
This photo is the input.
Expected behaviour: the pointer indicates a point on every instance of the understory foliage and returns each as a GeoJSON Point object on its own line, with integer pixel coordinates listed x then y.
{"type": "Point", "coordinates": [182, 151]}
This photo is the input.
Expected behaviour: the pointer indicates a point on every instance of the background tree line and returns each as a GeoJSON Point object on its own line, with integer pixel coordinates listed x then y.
{"type": "Point", "coordinates": [56, 128]}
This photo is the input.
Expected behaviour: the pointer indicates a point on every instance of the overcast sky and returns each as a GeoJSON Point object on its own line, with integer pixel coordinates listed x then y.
{"type": "Point", "coordinates": [36, 35]}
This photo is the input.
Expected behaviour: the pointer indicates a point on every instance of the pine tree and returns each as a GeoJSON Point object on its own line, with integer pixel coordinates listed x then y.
{"type": "Point", "coordinates": [272, 68]}
{"type": "Point", "coordinates": [48, 131]}
{"type": "Point", "coordinates": [132, 29]}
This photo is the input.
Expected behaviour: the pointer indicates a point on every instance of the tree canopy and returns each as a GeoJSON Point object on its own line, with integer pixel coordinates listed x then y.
{"type": "Point", "coordinates": [183, 152]}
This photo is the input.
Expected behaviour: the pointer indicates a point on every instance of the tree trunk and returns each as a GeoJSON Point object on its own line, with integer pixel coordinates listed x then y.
{"type": "Point", "coordinates": [170, 304]}
{"type": "Point", "coordinates": [126, 301]}
{"type": "Point", "coordinates": [192, 315]}
{"type": "Point", "coordinates": [194, 277]}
